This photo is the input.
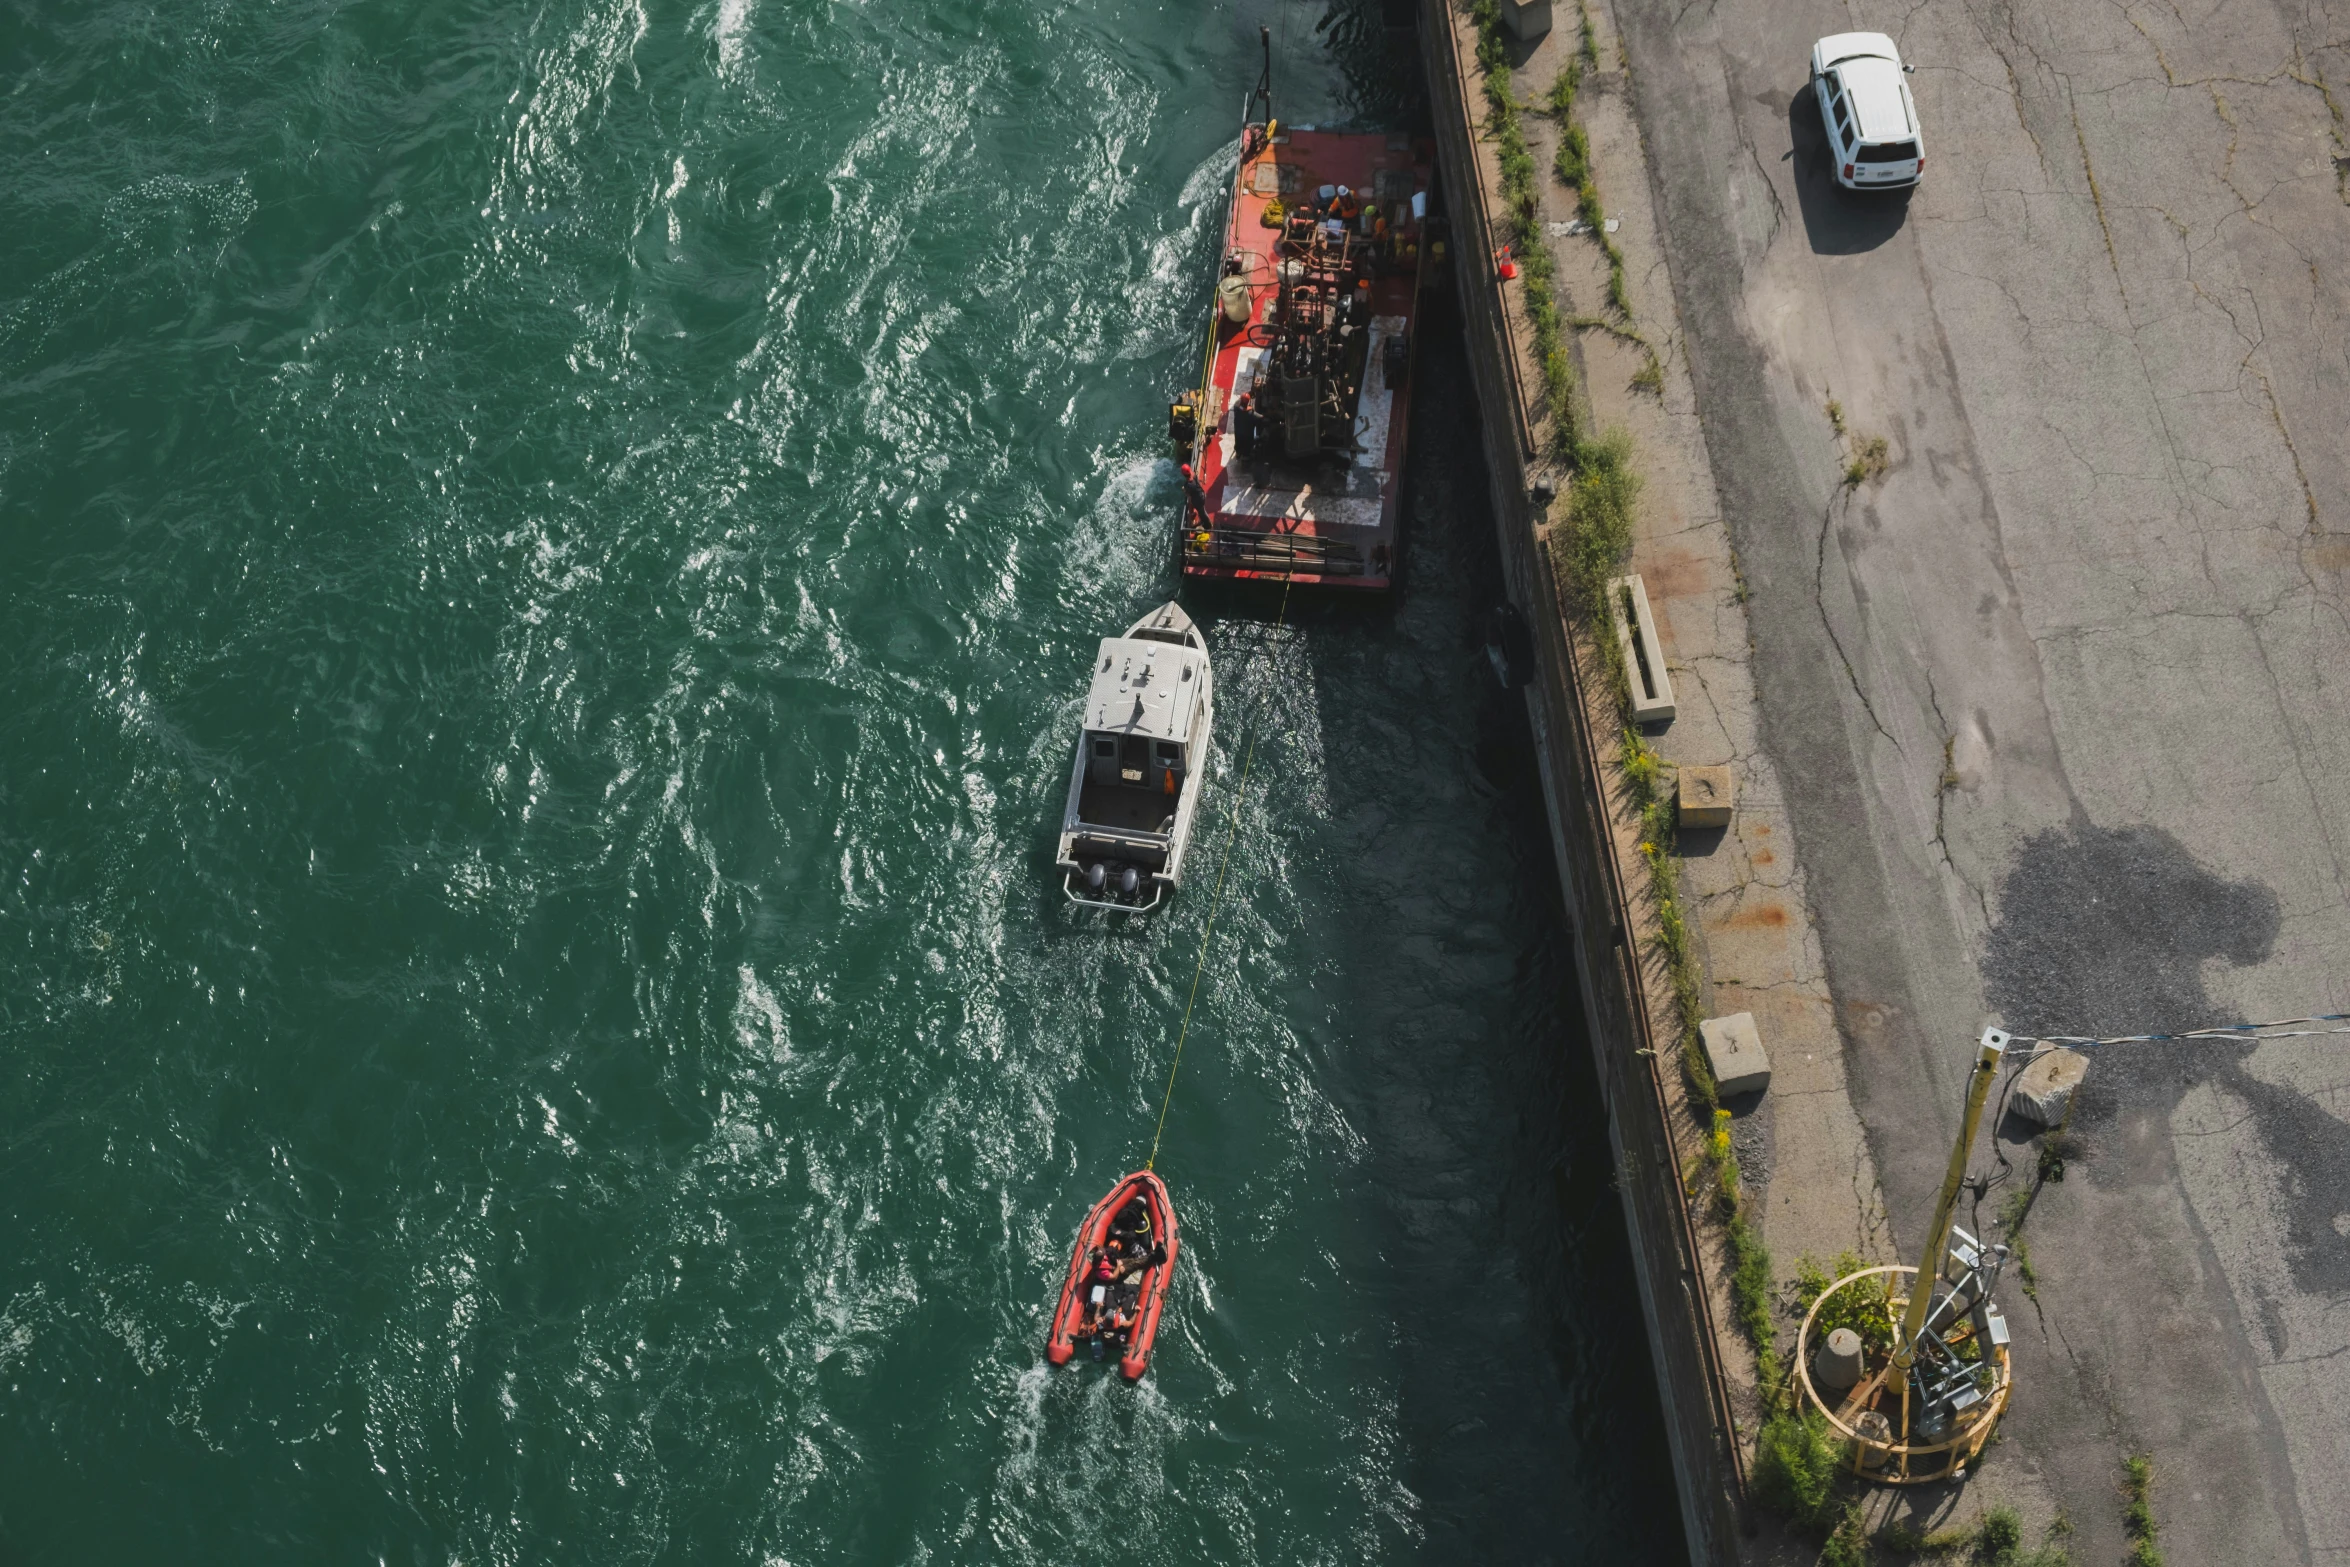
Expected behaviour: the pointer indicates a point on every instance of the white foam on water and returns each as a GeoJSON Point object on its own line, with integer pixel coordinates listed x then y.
{"type": "Point", "coordinates": [1167, 296]}
{"type": "Point", "coordinates": [16, 1328]}
{"type": "Point", "coordinates": [1118, 548]}
{"type": "Point", "coordinates": [758, 1020]}
{"type": "Point", "coordinates": [731, 32]}
{"type": "Point", "coordinates": [573, 80]}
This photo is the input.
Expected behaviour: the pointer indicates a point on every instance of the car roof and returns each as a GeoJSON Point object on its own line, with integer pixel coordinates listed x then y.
{"type": "Point", "coordinates": [1874, 86]}
{"type": "Point", "coordinates": [1844, 46]}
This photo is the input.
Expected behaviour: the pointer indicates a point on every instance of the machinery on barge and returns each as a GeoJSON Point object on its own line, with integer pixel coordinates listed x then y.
{"type": "Point", "coordinates": [1293, 443]}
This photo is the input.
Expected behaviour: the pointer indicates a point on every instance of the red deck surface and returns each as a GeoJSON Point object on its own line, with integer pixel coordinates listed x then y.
{"type": "Point", "coordinates": [1319, 523]}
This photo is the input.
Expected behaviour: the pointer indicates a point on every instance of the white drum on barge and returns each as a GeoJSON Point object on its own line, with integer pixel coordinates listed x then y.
{"type": "Point", "coordinates": [1141, 762]}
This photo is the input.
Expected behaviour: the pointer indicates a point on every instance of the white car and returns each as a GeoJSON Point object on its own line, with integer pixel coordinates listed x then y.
{"type": "Point", "coordinates": [1871, 119]}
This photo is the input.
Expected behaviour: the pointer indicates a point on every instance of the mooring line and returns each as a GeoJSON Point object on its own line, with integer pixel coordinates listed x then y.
{"type": "Point", "coordinates": [1215, 903]}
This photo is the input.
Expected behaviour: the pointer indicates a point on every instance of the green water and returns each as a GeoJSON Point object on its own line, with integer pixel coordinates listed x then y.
{"type": "Point", "coordinates": [548, 554]}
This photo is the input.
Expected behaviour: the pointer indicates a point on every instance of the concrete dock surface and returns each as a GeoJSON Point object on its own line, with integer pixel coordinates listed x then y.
{"type": "Point", "coordinates": [2056, 696]}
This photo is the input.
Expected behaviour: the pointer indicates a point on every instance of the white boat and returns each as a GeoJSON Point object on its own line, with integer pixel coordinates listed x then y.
{"type": "Point", "coordinates": [1141, 764]}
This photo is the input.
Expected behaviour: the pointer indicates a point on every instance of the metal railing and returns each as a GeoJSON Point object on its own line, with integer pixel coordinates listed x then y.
{"type": "Point", "coordinates": [1248, 549]}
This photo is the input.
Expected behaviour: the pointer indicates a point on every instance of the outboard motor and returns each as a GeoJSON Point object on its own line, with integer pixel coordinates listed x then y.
{"type": "Point", "coordinates": [1128, 880]}
{"type": "Point", "coordinates": [1095, 875]}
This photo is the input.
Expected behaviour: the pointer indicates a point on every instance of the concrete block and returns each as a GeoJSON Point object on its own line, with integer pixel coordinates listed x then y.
{"type": "Point", "coordinates": [1838, 1362]}
{"type": "Point", "coordinates": [1644, 651]}
{"type": "Point", "coordinates": [1876, 1434]}
{"type": "Point", "coordinates": [1705, 795]}
{"type": "Point", "coordinates": [1734, 1049]}
{"type": "Point", "coordinates": [1526, 19]}
{"type": "Point", "coordinates": [2045, 1090]}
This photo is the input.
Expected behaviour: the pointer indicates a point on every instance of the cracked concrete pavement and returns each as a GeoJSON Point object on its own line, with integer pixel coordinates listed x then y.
{"type": "Point", "coordinates": [2057, 702]}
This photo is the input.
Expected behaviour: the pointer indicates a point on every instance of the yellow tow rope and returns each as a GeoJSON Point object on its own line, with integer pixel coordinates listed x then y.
{"type": "Point", "coordinates": [1215, 902]}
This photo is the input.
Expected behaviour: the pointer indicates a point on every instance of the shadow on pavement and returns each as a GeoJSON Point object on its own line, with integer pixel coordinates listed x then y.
{"type": "Point", "coordinates": [1838, 222]}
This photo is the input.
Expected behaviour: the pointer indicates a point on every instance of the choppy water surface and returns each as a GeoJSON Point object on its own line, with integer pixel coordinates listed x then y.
{"type": "Point", "coordinates": [550, 555]}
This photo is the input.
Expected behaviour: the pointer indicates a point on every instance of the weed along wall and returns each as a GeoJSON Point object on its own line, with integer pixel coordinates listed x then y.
{"type": "Point", "coordinates": [1514, 399]}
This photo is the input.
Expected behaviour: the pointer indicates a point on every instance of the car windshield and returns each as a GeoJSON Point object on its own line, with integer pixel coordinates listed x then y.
{"type": "Point", "coordinates": [1889, 152]}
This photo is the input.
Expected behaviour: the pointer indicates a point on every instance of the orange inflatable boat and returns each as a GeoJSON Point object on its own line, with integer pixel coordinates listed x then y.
{"type": "Point", "coordinates": [1118, 1276]}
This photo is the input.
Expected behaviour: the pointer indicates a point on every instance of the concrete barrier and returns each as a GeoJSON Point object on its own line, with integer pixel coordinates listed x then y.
{"type": "Point", "coordinates": [1643, 649]}
{"type": "Point", "coordinates": [1527, 19]}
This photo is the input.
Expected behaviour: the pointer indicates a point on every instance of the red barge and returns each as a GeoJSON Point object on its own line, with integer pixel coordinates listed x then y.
{"type": "Point", "coordinates": [1294, 441]}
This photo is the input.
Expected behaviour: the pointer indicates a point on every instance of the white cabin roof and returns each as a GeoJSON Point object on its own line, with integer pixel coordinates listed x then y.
{"type": "Point", "coordinates": [1144, 688]}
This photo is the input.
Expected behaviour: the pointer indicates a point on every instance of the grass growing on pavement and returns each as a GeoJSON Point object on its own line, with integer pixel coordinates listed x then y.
{"type": "Point", "coordinates": [1572, 165]}
{"type": "Point", "coordinates": [1902, 1540]}
{"type": "Point", "coordinates": [2012, 1214]}
{"type": "Point", "coordinates": [1847, 1544]}
{"type": "Point", "coordinates": [1572, 162]}
{"type": "Point", "coordinates": [1869, 458]}
{"type": "Point", "coordinates": [1650, 377]}
{"type": "Point", "coordinates": [2001, 1536]}
{"type": "Point", "coordinates": [1522, 223]}
{"type": "Point", "coordinates": [1751, 1274]}
{"type": "Point", "coordinates": [1864, 1307]}
{"type": "Point", "coordinates": [1601, 501]}
{"type": "Point", "coordinates": [1997, 1541]}
{"type": "Point", "coordinates": [1794, 1471]}
{"type": "Point", "coordinates": [2138, 1512]}
{"type": "Point", "coordinates": [1588, 548]}
{"type": "Point", "coordinates": [2048, 1167]}
{"type": "Point", "coordinates": [1564, 86]}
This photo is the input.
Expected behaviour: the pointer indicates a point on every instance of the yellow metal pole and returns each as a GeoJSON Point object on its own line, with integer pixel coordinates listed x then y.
{"type": "Point", "coordinates": [1921, 1294]}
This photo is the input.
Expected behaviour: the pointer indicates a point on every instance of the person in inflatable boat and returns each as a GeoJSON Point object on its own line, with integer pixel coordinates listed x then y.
{"type": "Point", "coordinates": [1143, 1250]}
{"type": "Point", "coordinates": [1101, 1280]}
{"type": "Point", "coordinates": [1108, 1267]}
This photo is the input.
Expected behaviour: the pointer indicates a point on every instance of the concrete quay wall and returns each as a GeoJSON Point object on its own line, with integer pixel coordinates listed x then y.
{"type": "Point", "coordinates": [1676, 1310]}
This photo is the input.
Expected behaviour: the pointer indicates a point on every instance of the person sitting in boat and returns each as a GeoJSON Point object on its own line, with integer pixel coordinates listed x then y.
{"type": "Point", "coordinates": [1108, 1265]}
{"type": "Point", "coordinates": [1139, 1258]}
{"type": "Point", "coordinates": [1101, 1283]}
